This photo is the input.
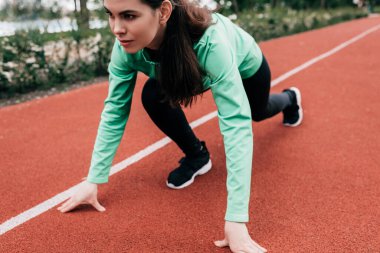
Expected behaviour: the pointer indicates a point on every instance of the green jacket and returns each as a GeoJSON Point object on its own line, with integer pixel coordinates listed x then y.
{"type": "Point", "coordinates": [228, 54]}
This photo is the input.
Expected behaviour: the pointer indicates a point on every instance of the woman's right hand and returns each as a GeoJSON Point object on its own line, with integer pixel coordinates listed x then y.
{"type": "Point", "coordinates": [236, 236]}
{"type": "Point", "coordinates": [86, 194]}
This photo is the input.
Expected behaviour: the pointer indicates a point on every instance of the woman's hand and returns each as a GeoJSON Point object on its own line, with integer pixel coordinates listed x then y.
{"type": "Point", "coordinates": [238, 238]}
{"type": "Point", "coordinates": [86, 194]}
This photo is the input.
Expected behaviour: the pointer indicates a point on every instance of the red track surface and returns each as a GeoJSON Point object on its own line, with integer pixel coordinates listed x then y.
{"type": "Point", "coordinates": [315, 188]}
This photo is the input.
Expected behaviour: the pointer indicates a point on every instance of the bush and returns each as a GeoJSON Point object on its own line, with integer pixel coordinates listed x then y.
{"type": "Point", "coordinates": [272, 23]}
{"type": "Point", "coordinates": [32, 61]}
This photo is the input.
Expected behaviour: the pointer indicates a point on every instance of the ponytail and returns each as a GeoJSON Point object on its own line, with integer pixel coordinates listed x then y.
{"type": "Point", "coordinates": [179, 73]}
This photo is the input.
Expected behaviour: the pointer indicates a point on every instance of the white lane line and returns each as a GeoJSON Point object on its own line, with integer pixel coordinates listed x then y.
{"type": "Point", "coordinates": [322, 56]}
{"type": "Point", "coordinates": [52, 202]}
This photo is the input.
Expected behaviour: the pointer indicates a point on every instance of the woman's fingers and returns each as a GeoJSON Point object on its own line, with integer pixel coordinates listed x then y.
{"type": "Point", "coordinates": [64, 205]}
{"type": "Point", "coordinates": [249, 249]}
{"type": "Point", "coordinates": [86, 194]}
{"type": "Point", "coordinates": [252, 248]}
{"type": "Point", "coordinates": [257, 245]}
{"type": "Point", "coordinates": [68, 206]}
{"type": "Point", "coordinates": [71, 204]}
{"type": "Point", "coordinates": [222, 243]}
{"type": "Point", "coordinates": [98, 206]}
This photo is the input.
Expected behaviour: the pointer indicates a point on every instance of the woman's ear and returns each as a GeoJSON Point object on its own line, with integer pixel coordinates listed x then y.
{"type": "Point", "coordinates": [165, 11]}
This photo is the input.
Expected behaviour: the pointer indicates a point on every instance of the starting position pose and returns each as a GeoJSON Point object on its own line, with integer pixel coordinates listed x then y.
{"type": "Point", "coordinates": [186, 50]}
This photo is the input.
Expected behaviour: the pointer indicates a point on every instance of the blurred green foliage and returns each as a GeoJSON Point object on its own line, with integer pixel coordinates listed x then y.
{"type": "Point", "coordinates": [294, 4]}
{"type": "Point", "coordinates": [30, 60]}
{"type": "Point", "coordinates": [271, 23]}
{"type": "Point", "coordinates": [29, 10]}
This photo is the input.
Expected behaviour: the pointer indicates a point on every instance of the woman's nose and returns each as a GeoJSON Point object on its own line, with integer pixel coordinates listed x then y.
{"type": "Point", "coordinates": [118, 27]}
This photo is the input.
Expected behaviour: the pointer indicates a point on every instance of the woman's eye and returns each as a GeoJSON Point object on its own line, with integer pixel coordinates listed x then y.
{"type": "Point", "coordinates": [109, 14]}
{"type": "Point", "coordinates": [129, 17]}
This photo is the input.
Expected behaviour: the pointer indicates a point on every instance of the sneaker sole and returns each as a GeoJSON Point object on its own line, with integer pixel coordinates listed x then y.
{"type": "Point", "coordinates": [300, 111]}
{"type": "Point", "coordinates": [202, 171]}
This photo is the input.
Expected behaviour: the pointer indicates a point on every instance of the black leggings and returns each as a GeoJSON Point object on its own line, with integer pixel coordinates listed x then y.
{"type": "Point", "coordinates": [173, 123]}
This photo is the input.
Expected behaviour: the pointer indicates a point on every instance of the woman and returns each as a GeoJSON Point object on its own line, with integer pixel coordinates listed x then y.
{"type": "Point", "coordinates": [186, 50]}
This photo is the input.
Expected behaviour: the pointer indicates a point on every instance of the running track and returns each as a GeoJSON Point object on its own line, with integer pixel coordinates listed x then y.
{"type": "Point", "coordinates": [315, 188]}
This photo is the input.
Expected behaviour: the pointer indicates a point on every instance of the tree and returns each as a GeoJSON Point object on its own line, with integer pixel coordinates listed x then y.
{"type": "Point", "coordinates": [235, 6]}
{"type": "Point", "coordinates": [273, 3]}
{"type": "Point", "coordinates": [83, 16]}
{"type": "Point", "coordinates": [323, 4]}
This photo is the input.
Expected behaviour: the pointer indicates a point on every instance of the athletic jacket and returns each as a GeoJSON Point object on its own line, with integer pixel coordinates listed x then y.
{"type": "Point", "coordinates": [228, 54]}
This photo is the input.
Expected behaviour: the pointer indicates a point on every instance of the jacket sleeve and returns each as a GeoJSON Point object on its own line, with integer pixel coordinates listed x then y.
{"type": "Point", "coordinates": [234, 114]}
{"type": "Point", "coordinates": [117, 106]}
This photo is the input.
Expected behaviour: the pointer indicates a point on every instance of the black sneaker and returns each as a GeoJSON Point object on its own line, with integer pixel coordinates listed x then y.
{"type": "Point", "coordinates": [293, 114]}
{"type": "Point", "coordinates": [189, 168]}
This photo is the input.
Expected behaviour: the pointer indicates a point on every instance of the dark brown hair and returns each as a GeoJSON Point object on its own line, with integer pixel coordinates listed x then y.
{"type": "Point", "coordinates": [179, 74]}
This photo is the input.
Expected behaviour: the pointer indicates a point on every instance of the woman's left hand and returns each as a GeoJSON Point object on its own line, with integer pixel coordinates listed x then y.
{"type": "Point", "coordinates": [238, 239]}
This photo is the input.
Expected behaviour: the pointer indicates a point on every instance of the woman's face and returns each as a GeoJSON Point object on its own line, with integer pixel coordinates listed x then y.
{"type": "Point", "coordinates": [135, 24]}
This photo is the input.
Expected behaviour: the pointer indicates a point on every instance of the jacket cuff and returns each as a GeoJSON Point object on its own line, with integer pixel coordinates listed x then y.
{"type": "Point", "coordinates": [234, 217]}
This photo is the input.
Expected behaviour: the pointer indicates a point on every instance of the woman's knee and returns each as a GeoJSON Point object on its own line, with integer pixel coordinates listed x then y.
{"type": "Point", "coordinates": [258, 116]}
{"type": "Point", "coordinates": [150, 94]}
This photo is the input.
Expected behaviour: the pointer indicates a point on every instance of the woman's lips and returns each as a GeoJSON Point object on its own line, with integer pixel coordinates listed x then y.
{"type": "Point", "coordinates": [125, 43]}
